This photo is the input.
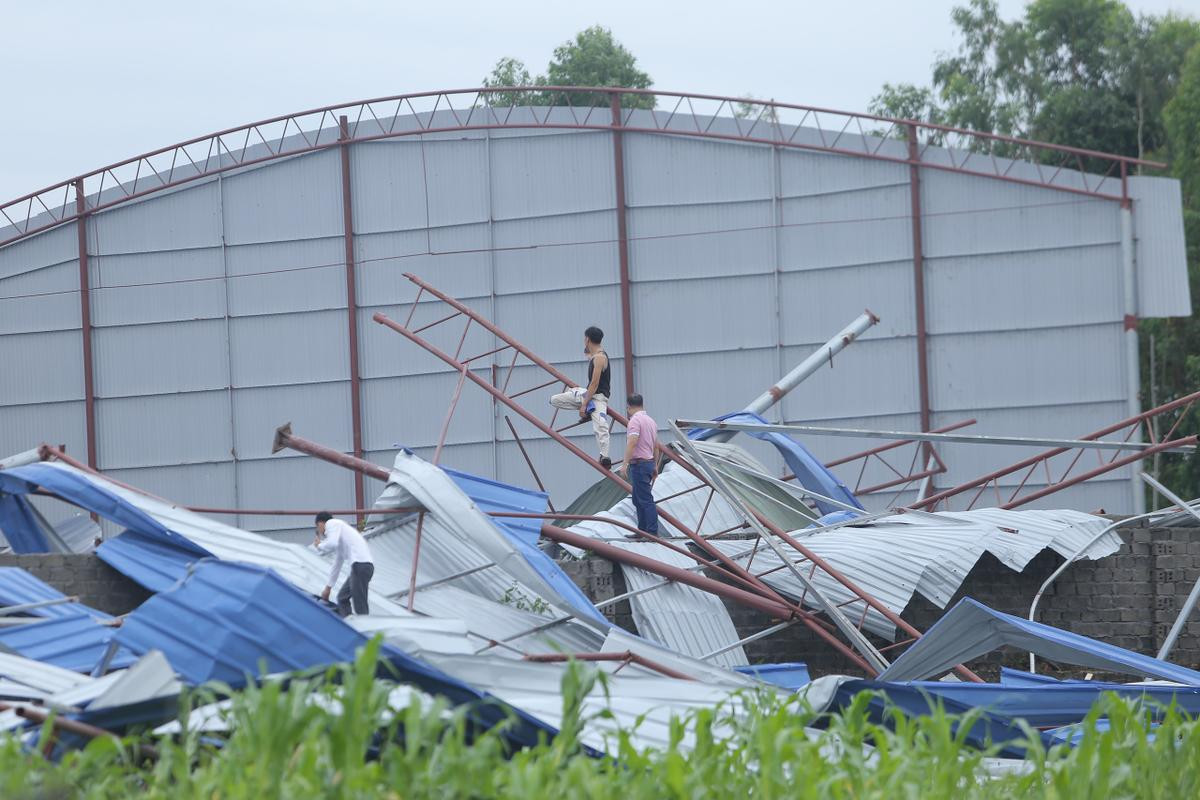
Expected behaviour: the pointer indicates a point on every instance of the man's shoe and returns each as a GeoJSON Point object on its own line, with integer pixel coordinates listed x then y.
{"type": "Point", "coordinates": [606, 462]}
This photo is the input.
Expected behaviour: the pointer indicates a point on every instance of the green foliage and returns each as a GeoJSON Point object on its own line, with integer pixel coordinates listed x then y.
{"type": "Point", "coordinates": [513, 596]}
{"type": "Point", "coordinates": [1090, 74]}
{"type": "Point", "coordinates": [353, 744]}
{"type": "Point", "coordinates": [592, 58]}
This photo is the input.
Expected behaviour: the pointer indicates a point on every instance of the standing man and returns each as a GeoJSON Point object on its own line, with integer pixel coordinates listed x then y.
{"type": "Point", "coordinates": [599, 388]}
{"type": "Point", "coordinates": [641, 435]}
{"type": "Point", "coordinates": [333, 535]}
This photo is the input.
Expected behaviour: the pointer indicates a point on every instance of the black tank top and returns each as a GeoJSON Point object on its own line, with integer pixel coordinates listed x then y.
{"type": "Point", "coordinates": [603, 386]}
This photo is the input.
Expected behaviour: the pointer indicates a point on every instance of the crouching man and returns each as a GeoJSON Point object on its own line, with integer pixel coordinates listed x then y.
{"type": "Point", "coordinates": [335, 536]}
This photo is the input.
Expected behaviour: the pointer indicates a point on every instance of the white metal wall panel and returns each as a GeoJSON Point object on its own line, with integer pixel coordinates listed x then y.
{"type": "Point", "coordinates": [289, 348]}
{"type": "Point", "coordinates": [389, 406]}
{"type": "Point", "coordinates": [696, 386]}
{"type": "Point", "coordinates": [159, 359]}
{"type": "Point", "coordinates": [411, 183]}
{"type": "Point", "coordinates": [297, 198]}
{"type": "Point", "coordinates": [282, 277]}
{"type": "Point", "coordinates": [709, 315]}
{"type": "Point", "coordinates": [816, 304]}
{"type": "Point", "coordinates": [870, 377]}
{"type": "Point", "coordinates": [202, 485]}
{"type": "Point", "coordinates": [549, 175]}
{"type": "Point", "coordinates": [1025, 368]}
{"type": "Point", "coordinates": [808, 173]}
{"type": "Point", "coordinates": [174, 220]}
{"type": "Point", "coordinates": [449, 257]}
{"type": "Point", "coordinates": [164, 286]}
{"type": "Point", "coordinates": [23, 427]}
{"type": "Point", "coordinates": [1021, 291]}
{"type": "Point", "coordinates": [663, 170]}
{"type": "Point", "coordinates": [42, 367]}
{"type": "Point", "coordinates": [552, 323]}
{"type": "Point", "coordinates": [158, 430]}
{"type": "Point", "coordinates": [701, 241]}
{"type": "Point", "coordinates": [1163, 288]}
{"type": "Point", "coordinates": [560, 252]}
{"type": "Point", "coordinates": [45, 299]}
{"type": "Point", "coordinates": [55, 246]}
{"type": "Point", "coordinates": [317, 411]}
{"type": "Point", "coordinates": [867, 227]}
{"type": "Point", "coordinates": [386, 353]}
{"type": "Point", "coordinates": [291, 483]}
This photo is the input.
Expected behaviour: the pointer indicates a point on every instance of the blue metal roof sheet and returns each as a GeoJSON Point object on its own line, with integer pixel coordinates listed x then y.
{"type": "Point", "coordinates": [76, 643]}
{"type": "Point", "coordinates": [18, 587]}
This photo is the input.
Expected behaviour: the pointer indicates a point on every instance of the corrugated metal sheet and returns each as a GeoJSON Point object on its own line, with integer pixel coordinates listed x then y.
{"type": "Point", "coordinates": [18, 587]}
{"type": "Point", "coordinates": [550, 175]}
{"type": "Point", "coordinates": [1163, 289]}
{"type": "Point", "coordinates": [410, 183]}
{"type": "Point", "coordinates": [55, 246]}
{"type": "Point", "coordinates": [678, 242]}
{"type": "Point", "coordinates": [456, 257]}
{"type": "Point", "coordinates": [385, 353]}
{"type": "Point", "coordinates": [815, 304]}
{"type": "Point", "coordinates": [679, 617]}
{"type": "Point", "coordinates": [157, 287]}
{"type": "Point", "coordinates": [701, 321]}
{"type": "Point", "coordinates": [282, 277]}
{"type": "Point", "coordinates": [705, 384]}
{"type": "Point", "coordinates": [297, 198]}
{"type": "Point", "coordinates": [36, 675]}
{"type": "Point", "coordinates": [148, 359]}
{"type": "Point", "coordinates": [194, 484]}
{"type": "Point", "coordinates": [321, 411]}
{"type": "Point", "coordinates": [50, 366]}
{"type": "Point", "coordinates": [556, 320]}
{"type": "Point", "coordinates": [77, 643]}
{"type": "Point", "coordinates": [386, 423]}
{"type": "Point", "coordinates": [291, 483]}
{"type": "Point", "coordinates": [26, 426]}
{"type": "Point", "coordinates": [858, 377]}
{"type": "Point", "coordinates": [184, 218]}
{"type": "Point", "coordinates": [864, 227]}
{"type": "Point", "coordinates": [658, 171]}
{"type": "Point", "coordinates": [289, 348]}
{"type": "Point", "coordinates": [144, 431]}
{"type": "Point", "coordinates": [808, 173]}
{"type": "Point", "coordinates": [22, 313]}
{"type": "Point", "coordinates": [557, 252]}
{"type": "Point", "coordinates": [894, 557]}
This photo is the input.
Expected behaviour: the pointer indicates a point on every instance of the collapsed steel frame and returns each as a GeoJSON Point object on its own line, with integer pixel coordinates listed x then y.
{"type": "Point", "coordinates": [740, 585]}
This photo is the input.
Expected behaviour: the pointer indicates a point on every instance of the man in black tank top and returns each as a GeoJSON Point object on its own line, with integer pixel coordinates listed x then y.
{"type": "Point", "coordinates": [592, 400]}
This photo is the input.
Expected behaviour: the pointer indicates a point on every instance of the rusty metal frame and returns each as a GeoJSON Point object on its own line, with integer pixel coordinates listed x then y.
{"type": "Point", "coordinates": [351, 307]}
{"type": "Point", "coordinates": [455, 110]}
{"type": "Point", "coordinates": [737, 572]}
{"type": "Point", "coordinates": [1026, 467]}
{"type": "Point", "coordinates": [85, 323]}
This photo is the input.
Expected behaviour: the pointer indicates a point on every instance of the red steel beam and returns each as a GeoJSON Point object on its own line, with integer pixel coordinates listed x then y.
{"type": "Point", "coordinates": [351, 308]}
{"type": "Point", "coordinates": [1046, 455]}
{"type": "Point", "coordinates": [85, 322]}
{"type": "Point", "coordinates": [918, 256]}
{"type": "Point", "coordinates": [622, 241]}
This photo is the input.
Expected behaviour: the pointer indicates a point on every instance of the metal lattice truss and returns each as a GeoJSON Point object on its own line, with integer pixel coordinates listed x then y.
{"type": "Point", "coordinates": [763, 122]}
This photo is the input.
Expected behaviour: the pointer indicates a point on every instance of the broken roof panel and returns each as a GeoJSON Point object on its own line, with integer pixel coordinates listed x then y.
{"type": "Point", "coordinates": [971, 629]}
{"type": "Point", "coordinates": [76, 643]}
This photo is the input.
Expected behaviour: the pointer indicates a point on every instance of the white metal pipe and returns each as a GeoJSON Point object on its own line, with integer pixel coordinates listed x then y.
{"type": "Point", "coordinates": [807, 367]}
{"type": "Point", "coordinates": [1133, 378]}
{"type": "Point", "coordinates": [1189, 605]}
{"type": "Point", "coordinates": [23, 607]}
{"type": "Point", "coordinates": [960, 438]}
{"type": "Point", "coordinates": [20, 459]}
{"type": "Point", "coordinates": [754, 637]}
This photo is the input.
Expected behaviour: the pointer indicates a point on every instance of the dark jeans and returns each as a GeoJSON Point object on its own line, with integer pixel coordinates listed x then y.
{"type": "Point", "coordinates": [355, 588]}
{"type": "Point", "coordinates": [640, 473]}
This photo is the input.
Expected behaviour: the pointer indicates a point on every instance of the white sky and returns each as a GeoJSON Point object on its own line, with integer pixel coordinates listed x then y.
{"type": "Point", "coordinates": [89, 82]}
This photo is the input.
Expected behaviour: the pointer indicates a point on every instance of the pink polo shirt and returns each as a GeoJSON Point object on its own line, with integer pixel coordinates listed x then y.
{"type": "Point", "coordinates": [647, 434]}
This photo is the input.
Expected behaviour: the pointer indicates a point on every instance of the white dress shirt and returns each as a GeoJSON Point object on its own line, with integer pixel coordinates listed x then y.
{"type": "Point", "coordinates": [349, 544]}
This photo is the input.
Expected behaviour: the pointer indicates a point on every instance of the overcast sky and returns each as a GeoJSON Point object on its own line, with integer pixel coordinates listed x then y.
{"type": "Point", "coordinates": [89, 83]}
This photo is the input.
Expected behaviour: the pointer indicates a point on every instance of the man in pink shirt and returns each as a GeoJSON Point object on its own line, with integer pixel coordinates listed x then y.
{"type": "Point", "coordinates": [640, 437]}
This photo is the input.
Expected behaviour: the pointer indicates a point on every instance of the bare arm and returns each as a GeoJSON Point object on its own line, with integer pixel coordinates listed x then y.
{"type": "Point", "coordinates": [630, 442]}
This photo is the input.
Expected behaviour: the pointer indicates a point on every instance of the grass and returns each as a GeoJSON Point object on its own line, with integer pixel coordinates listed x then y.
{"type": "Point", "coordinates": [283, 746]}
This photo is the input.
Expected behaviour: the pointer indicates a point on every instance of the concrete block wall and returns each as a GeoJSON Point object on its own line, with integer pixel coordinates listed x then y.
{"type": "Point", "coordinates": [84, 575]}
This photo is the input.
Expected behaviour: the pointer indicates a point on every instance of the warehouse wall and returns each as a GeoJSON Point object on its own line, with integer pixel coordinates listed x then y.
{"type": "Point", "coordinates": [220, 307]}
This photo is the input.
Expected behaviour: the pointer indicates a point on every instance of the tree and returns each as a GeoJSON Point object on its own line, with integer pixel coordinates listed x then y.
{"type": "Point", "coordinates": [1090, 74]}
{"type": "Point", "coordinates": [592, 58]}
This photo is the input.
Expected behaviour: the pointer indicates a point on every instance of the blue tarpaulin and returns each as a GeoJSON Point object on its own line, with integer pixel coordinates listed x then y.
{"type": "Point", "coordinates": [809, 471]}
{"type": "Point", "coordinates": [77, 643]}
{"type": "Point", "coordinates": [971, 629]}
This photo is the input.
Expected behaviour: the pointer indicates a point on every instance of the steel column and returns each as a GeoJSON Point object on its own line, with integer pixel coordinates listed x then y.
{"type": "Point", "coordinates": [1133, 377]}
{"type": "Point", "coordinates": [85, 322]}
{"type": "Point", "coordinates": [622, 240]}
{"type": "Point", "coordinates": [918, 252]}
{"type": "Point", "coordinates": [351, 309]}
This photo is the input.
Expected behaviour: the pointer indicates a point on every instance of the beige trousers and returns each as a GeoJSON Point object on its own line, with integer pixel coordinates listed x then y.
{"type": "Point", "coordinates": [572, 400]}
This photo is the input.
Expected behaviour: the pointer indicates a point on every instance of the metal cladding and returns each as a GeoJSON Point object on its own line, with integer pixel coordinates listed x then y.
{"type": "Point", "coordinates": [240, 261]}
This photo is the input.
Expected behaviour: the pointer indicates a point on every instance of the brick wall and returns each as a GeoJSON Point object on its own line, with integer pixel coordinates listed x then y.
{"type": "Point", "coordinates": [86, 576]}
{"type": "Point", "coordinates": [1128, 599]}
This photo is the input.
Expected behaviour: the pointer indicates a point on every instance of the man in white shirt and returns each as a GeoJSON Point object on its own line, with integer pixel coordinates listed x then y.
{"type": "Point", "coordinates": [335, 536]}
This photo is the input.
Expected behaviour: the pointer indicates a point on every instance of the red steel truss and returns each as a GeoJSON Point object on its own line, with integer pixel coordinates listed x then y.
{"type": "Point", "coordinates": [677, 113]}
{"type": "Point", "coordinates": [1013, 496]}
{"type": "Point", "coordinates": [718, 561]}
